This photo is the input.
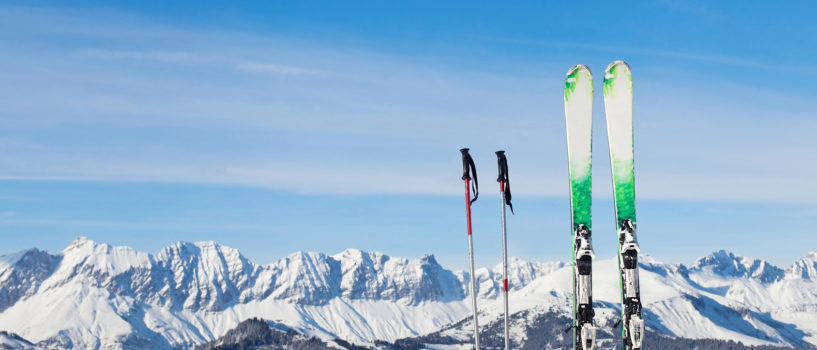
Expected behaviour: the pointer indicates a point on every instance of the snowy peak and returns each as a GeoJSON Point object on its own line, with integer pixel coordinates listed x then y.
{"type": "Point", "coordinates": [728, 265]}
{"type": "Point", "coordinates": [207, 261]}
{"type": "Point", "coordinates": [95, 295]}
{"type": "Point", "coordinates": [309, 278]}
{"type": "Point", "coordinates": [7, 261]}
{"type": "Point", "coordinates": [805, 268]}
{"type": "Point", "coordinates": [358, 268]}
{"type": "Point", "coordinates": [84, 255]}
{"type": "Point", "coordinates": [202, 275]}
{"type": "Point", "coordinates": [207, 251]}
{"type": "Point", "coordinates": [21, 274]}
{"type": "Point", "coordinates": [375, 276]}
{"type": "Point", "coordinates": [435, 282]}
{"type": "Point", "coordinates": [521, 272]}
{"type": "Point", "coordinates": [211, 277]}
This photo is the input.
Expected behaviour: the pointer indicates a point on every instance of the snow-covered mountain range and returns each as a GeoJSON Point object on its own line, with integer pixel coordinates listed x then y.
{"type": "Point", "coordinates": [94, 295]}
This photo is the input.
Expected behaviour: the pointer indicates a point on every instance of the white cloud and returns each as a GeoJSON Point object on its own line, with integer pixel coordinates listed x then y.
{"type": "Point", "coordinates": [162, 56]}
{"type": "Point", "coordinates": [375, 122]}
{"type": "Point", "coordinates": [5, 220]}
{"type": "Point", "coordinates": [277, 68]}
{"type": "Point", "coordinates": [642, 51]}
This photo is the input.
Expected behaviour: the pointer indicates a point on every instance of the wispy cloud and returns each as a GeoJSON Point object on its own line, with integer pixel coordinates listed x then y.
{"type": "Point", "coordinates": [306, 178]}
{"type": "Point", "coordinates": [277, 68]}
{"type": "Point", "coordinates": [134, 224]}
{"type": "Point", "coordinates": [161, 56]}
{"type": "Point", "coordinates": [641, 51]}
{"type": "Point", "coordinates": [80, 120]}
{"type": "Point", "coordinates": [193, 57]}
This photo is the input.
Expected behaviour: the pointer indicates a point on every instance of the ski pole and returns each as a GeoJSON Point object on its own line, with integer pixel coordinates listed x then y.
{"type": "Point", "coordinates": [469, 168]}
{"type": "Point", "coordinates": [505, 198]}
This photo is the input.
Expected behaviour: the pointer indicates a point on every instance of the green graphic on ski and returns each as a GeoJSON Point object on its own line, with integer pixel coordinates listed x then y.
{"type": "Point", "coordinates": [579, 121]}
{"type": "Point", "coordinates": [618, 106]}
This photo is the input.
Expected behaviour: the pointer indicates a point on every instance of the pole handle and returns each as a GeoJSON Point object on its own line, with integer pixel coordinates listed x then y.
{"type": "Point", "coordinates": [469, 170]}
{"type": "Point", "coordinates": [505, 184]}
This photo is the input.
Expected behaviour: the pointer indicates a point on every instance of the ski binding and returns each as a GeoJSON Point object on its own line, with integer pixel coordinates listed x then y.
{"type": "Point", "coordinates": [636, 332]}
{"type": "Point", "coordinates": [588, 336]}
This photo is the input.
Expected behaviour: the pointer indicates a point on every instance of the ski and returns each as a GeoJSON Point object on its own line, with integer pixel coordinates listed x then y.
{"type": "Point", "coordinates": [578, 96]}
{"type": "Point", "coordinates": [618, 106]}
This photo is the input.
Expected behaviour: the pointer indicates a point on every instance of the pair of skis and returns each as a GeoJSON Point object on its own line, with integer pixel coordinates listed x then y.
{"type": "Point", "coordinates": [469, 173]}
{"type": "Point", "coordinates": [618, 105]}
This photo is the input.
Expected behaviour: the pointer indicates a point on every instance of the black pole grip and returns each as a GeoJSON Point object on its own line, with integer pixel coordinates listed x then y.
{"type": "Point", "coordinates": [466, 160]}
{"type": "Point", "coordinates": [469, 170]}
{"type": "Point", "coordinates": [502, 163]}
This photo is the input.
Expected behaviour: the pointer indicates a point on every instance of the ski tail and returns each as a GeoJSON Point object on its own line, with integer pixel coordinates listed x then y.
{"type": "Point", "coordinates": [618, 106]}
{"type": "Point", "coordinates": [578, 99]}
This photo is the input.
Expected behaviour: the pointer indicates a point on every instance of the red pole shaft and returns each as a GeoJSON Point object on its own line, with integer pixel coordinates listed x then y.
{"type": "Point", "coordinates": [505, 278]}
{"type": "Point", "coordinates": [468, 204]}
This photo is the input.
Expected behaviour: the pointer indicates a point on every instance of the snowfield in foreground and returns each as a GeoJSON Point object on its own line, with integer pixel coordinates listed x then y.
{"type": "Point", "coordinates": [94, 295]}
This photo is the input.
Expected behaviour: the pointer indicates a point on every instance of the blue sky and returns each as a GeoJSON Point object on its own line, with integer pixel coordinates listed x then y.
{"type": "Point", "coordinates": [320, 126]}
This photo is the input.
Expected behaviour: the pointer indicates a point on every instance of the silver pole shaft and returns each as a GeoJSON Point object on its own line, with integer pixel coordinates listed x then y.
{"type": "Point", "coordinates": [505, 282]}
{"type": "Point", "coordinates": [473, 290]}
{"type": "Point", "coordinates": [471, 259]}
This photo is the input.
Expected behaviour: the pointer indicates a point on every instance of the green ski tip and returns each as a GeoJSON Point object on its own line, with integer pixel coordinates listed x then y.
{"type": "Point", "coordinates": [573, 75]}
{"type": "Point", "coordinates": [613, 72]}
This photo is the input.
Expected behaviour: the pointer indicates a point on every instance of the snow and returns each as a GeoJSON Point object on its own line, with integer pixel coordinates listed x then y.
{"type": "Point", "coordinates": [100, 296]}
{"type": "Point", "coordinates": [805, 268]}
{"type": "Point", "coordinates": [83, 312]}
{"type": "Point", "coordinates": [101, 259]}
{"type": "Point", "coordinates": [14, 342]}
{"type": "Point", "coordinates": [6, 261]}
{"type": "Point", "coordinates": [697, 304]}
{"type": "Point", "coordinates": [727, 264]}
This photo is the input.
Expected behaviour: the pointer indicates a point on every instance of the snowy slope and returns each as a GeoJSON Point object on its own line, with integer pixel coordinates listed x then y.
{"type": "Point", "coordinates": [94, 295]}
{"type": "Point", "coordinates": [697, 303]}
{"type": "Point", "coordinates": [98, 295]}
{"type": "Point", "coordinates": [11, 341]}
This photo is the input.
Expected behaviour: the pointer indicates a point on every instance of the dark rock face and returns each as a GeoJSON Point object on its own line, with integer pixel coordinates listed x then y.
{"type": "Point", "coordinates": [25, 276]}
{"type": "Point", "coordinates": [12, 341]}
{"type": "Point", "coordinates": [549, 331]}
{"type": "Point", "coordinates": [545, 331]}
{"type": "Point", "coordinates": [255, 333]}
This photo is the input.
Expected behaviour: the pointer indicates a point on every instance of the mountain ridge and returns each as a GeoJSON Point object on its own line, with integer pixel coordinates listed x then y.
{"type": "Point", "coordinates": [190, 293]}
